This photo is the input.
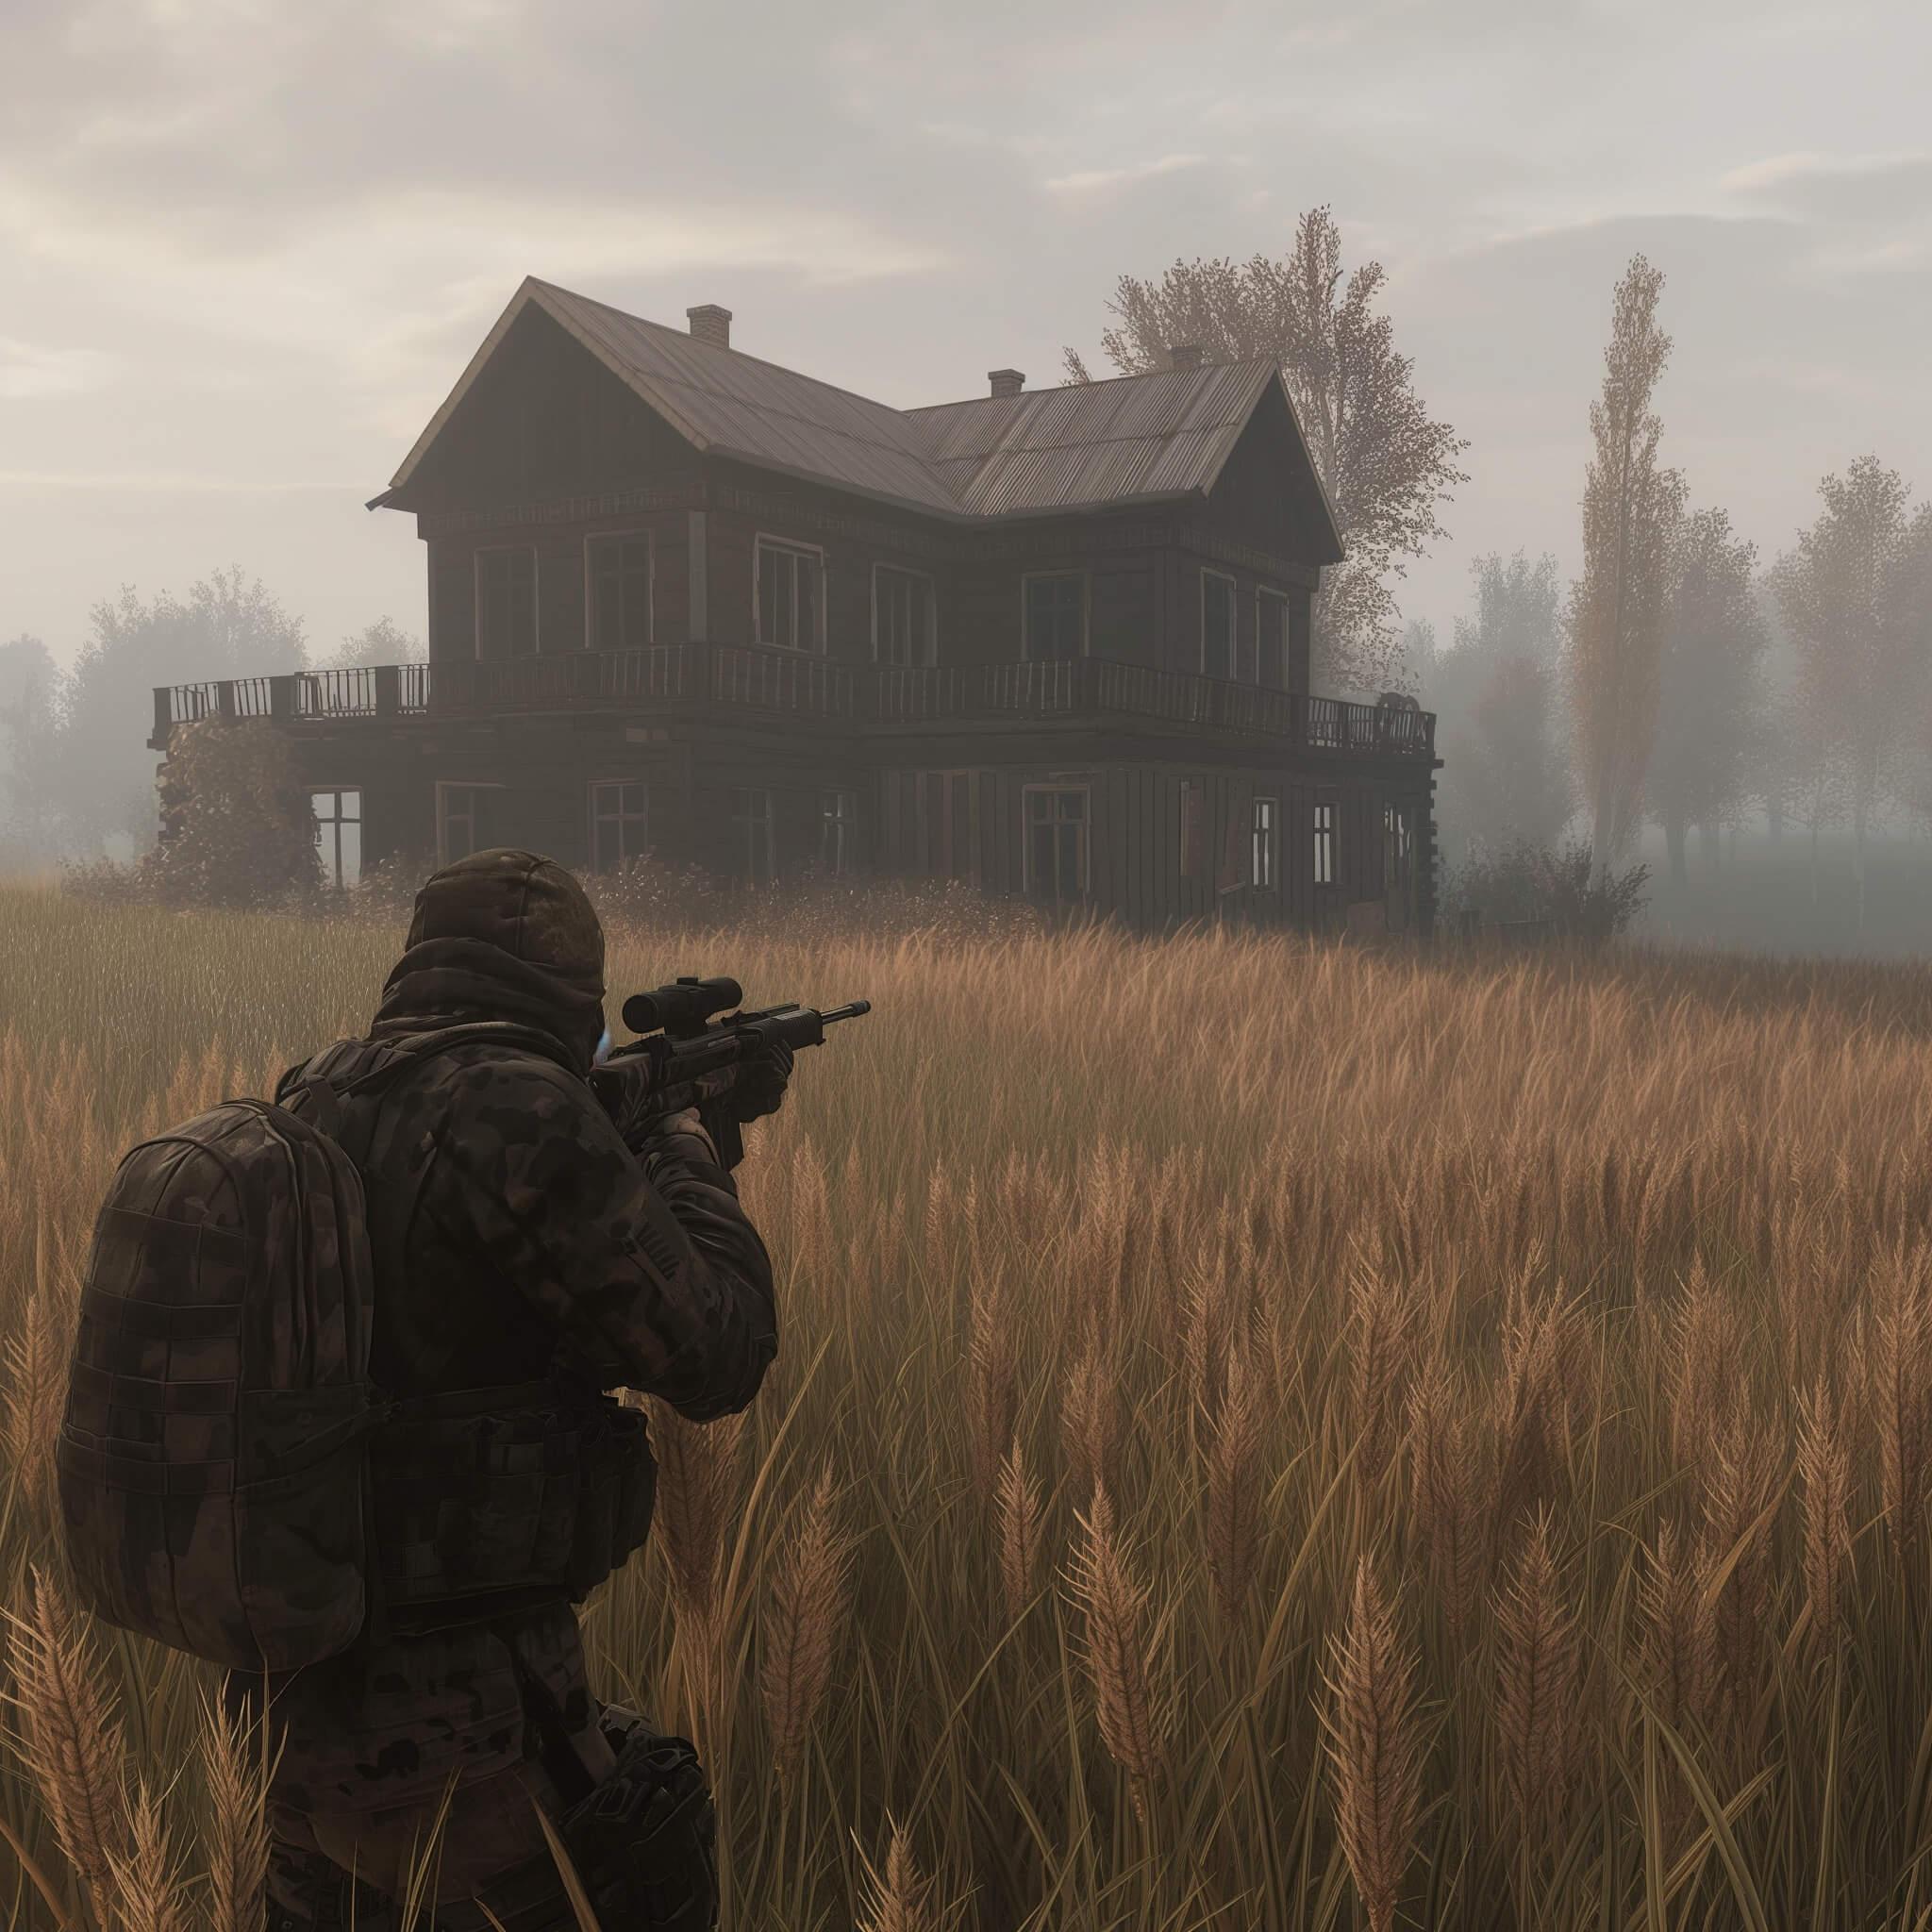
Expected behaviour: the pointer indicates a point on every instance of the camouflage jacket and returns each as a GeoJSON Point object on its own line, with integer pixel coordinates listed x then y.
{"type": "Point", "coordinates": [537, 1239]}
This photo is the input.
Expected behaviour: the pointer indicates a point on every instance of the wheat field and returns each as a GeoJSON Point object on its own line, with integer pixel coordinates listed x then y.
{"type": "Point", "coordinates": [1265, 1434]}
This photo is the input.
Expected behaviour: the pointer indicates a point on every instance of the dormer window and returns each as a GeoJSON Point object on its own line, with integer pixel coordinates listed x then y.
{"type": "Point", "coordinates": [790, 595]}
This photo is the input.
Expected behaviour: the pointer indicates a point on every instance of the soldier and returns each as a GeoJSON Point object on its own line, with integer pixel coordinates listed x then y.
{"type": "Point", "coordinates": [510, 1227]}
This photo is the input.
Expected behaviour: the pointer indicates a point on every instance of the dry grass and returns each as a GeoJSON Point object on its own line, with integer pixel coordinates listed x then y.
{"type": "Point", "coordinates": [1539, 1349]}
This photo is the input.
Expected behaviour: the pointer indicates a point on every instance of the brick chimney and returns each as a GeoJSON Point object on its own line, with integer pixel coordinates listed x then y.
{"type": "Point", "coordinates": [1005, 382]}
{"type": "Point", "coordinates": [710, 324]}
{"type": "Point", "coordinates": [1184, 356]}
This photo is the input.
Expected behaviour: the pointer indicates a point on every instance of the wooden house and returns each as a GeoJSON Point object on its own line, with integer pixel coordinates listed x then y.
{"type": "Point", "coordinates": [1049, 641]}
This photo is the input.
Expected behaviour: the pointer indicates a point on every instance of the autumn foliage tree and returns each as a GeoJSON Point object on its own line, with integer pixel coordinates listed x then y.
{"type": "Point", "coordinates": [1714, 637]}
{"type": "Point", "coordinates": [1857, 594]}
{"type": "Point", "coordinates": [1386, 462]}
{"type": "Point", "coordinates": [1631, 505]}
{"type": "Point", "coordinates": [237, 827]}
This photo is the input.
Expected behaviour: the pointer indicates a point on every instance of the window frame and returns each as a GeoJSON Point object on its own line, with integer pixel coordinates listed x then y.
{"type": "Point", "coordinates": [1327, 844]}
{"type": "Point", "coordinates": [1281, 597]}
{"type": "Point", "coordinates": [444, 786]}
{"type": "Point", "coordinates": [592, 787]}
{"type": "Point", "coordinates": [1273, 830]}
{"type": "Point", "coordinates": [840, 829]}
{"type": "Point", "coordinates": [930, 647]}
{"type": "Point", "coordinates": [975, 869]}
{"type": "Point", "coordinates": [531, 551]}
{"type": "Point", "coordinates": [650, 542]}
{"type": "Point", "coordinates": [746, 818]}
{"type": "Point", "coordinates": [1085, 892]}
{"type": "Point", "coordinates": [1028, 578]}
{"type": "Point", "coordinates": [1234, 624]}
{"type": "Point", "coordinates": [337, 822]}
{"type": "Point", "coordinates": [1398, 846]}
{"type": "Point", "coordinates": [763, 540]}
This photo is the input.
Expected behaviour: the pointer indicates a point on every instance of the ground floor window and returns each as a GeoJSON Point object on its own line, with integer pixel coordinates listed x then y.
{"type": "Point", "coordinates": [464, 820]}
{"type": "Point", "coordinates": [948, 825]}
{"type": "Point", "coordinates": [619, 822]}
{"type": "Point", "coordinates": [1397, 838]}
{"type": "Point", "coordinates": [1266, 820]}
{"type": "Point", "coordinates": [338, 833]}
{"type": "Point", "coordinates": [838, 833]}
{"type": "Point", "coordinates": [751, 832]}
{"type": "Point", "coordinates": [1057, 853]}
{"type": "Point", "coordinates": [1324, 842]}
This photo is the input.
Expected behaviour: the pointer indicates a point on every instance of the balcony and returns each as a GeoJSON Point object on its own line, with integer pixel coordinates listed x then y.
{"type": "Point", "coordinates": [755, 681]}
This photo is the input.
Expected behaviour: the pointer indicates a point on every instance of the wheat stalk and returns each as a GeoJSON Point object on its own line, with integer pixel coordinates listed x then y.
{"type": "Point", "coordinates": [238, 1835]}
{"type": "Point", "coordinates": [1538, 1648]}
{"type": "Point", "coordinates": [1446, 1495]}
{"type": "Point", "coordinates": [901, 1898]}
{"type": "Point", "coordinates": [1825, 1469]}
{"type": "Point", "coordinates": [146, 1880]}
{"type": "Point", "coordinates": [1234, 1486]}
{"type": "Point", "coordinates": [1020, 1529]}
{"type": "Point", "coordinates": [1090, 1423]}
{"type": "Point", "coordinates": [75, 1753]}
{"type": "Point", "coordinates": [1375, 1746]}
{"type": "Point", "coordinates": [995, 1371]}
{"type": "Point", "coordinates": [807, 1610]}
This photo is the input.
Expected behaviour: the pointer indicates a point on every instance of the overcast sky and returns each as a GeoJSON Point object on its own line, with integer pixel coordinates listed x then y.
{"type": "Point", "coordinates": [246, 246]}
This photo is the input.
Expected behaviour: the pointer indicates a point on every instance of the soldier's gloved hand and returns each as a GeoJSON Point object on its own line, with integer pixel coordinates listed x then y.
{"type": "Point", "coordinates": [761, 1089]}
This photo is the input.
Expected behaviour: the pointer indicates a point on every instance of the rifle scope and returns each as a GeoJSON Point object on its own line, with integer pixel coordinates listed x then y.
{"type": "Point", "coordinates": [683, 1007]}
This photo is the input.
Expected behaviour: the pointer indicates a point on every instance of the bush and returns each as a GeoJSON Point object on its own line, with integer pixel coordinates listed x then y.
{"type": "Point", "coordinates": [1523, 882]}
{"type": "Point", "coordinates": [237, 826]}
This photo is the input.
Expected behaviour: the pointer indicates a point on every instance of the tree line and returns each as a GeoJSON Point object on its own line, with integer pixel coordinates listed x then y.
{"type": "Point", "coordinates": [75, 777]}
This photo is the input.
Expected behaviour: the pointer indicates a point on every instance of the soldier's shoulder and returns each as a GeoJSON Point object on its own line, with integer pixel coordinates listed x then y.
{"type": "Point", "coordinates": [505, 1075]}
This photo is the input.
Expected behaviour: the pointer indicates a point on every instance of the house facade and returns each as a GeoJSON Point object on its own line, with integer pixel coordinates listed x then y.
{"type": "Point", "coordinates": [1051, 643]}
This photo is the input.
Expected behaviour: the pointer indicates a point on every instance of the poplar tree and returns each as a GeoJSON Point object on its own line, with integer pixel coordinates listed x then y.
{"type": "Point", "coordinates": [1630, 508]}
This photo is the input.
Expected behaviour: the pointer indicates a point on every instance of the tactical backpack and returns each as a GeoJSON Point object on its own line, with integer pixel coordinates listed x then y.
{"type": "Point", "coordinates": [231, 1482]}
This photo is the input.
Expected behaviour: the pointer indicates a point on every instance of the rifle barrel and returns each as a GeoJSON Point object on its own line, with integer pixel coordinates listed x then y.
{"type": "Point", "coordinates": [847, 1012]}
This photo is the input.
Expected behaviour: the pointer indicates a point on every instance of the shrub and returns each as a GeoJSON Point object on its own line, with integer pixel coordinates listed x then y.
{"type": "Point", "coordinates": [1522, 881]}
{"type": "Point", "coordinates": [237, 826]}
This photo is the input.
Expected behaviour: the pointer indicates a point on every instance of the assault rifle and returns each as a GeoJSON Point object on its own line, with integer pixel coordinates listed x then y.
{"type": "Point", "coordinates": [688, 1057]}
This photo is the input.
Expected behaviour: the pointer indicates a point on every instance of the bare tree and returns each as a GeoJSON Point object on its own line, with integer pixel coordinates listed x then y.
{"type": "Point", "coordinates": [1630, 506]}
{"type": "Point", "coordinates": [1386, 462]}
{"type": "Point", "coordinates": [1714, 639]}
{"type": "Point", "coordinates": [1857, 593]}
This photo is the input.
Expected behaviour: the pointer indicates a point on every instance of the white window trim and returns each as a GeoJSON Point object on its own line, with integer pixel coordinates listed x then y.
{"type": "Point", "coordinates": [591, 814]}
{"type": "Point", "coordinates": [650, 538]}
{"type": "Point", "coordinates": [1086, 890]}
{"type": "Point", "coordinates": [760, 538]}
{"type": "Point", "coordinates": [446, 785]}
{"type": "Point", "coordinates": [1086, 578]}
{"type": "Point", "coordinates": [337, 821]}
{"type": "Point", "coordinates": [932, 612]}
{"type": "Point", "coordinates": [476, 556]}
{"type": "Point", "coordinates": [1281, 596]}
{"type": "Point", "coordinates": [1234, 621]}
{"type": "Point", "coordinates": [1319, 805]}
{"type": "Point", "coordinates": [1268, 798]}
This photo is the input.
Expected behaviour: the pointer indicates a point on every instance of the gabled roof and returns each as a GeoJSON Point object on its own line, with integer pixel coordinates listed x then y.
{"type": "Point", "coordinates": [1086, 446]}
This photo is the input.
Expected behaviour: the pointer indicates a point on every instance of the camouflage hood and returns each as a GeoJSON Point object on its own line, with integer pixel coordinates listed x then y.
{"type": "Point", "coordinates": [501, 935]}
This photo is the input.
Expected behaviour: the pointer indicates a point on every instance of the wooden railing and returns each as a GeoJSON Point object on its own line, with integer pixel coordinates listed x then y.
{"type": "Point", "coordinates": [792, 683]}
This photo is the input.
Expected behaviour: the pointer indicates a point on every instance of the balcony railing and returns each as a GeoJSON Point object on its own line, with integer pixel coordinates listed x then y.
{"type": "Point", "coordinates": [797, 684]}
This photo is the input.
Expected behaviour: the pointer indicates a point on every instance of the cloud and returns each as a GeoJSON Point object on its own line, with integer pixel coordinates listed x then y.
{"type": "Point", "coordinates": [1091, 181]}
{"type": "Point", "coordinates": [28, 369]}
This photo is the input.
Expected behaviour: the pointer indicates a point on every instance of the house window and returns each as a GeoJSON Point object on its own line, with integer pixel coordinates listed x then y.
{"type": "Point", "coordinates": [1055, 616]}
{"type": "Point", "coordinates": [790, 593]}
{"type": "Point", "coordinates": [339, 834]}
{"type": "Point", "coordinates": [838, 833]}
{"type": "Point", "coordinates": [506, 603]}
{"type": "Point", "coordinates": [618, 568]}
{"type": "Point", "coordinates": [1056, 852]}
{"type": "Point", "coordinates": [1266, 829]}
{"type": "Point", "coordinates": [1271, 627]}
{"type": "Point", "coordinates": [465, 820]}
{"type": "Point", "coordinates": [1217, 624]}
{"type": "Point", "coordinates": [751, 835]}
{"type": "Point", "coordinates": [948, 825]}
{"type": "Point", "coordinates": [1324, 842]}
{"type": "Point", "coordinates": [619, 822]}
{"type": "Point", "coordinates": [903, 617]}
{"type": "Point", "coordinates": [1396, 843]}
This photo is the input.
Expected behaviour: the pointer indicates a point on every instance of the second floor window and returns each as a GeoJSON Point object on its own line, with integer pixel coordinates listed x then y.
{"type": "Point", "coordinates": [902, 616]}
{"type": "Point", "coordinates": [506, 603]}
{"type": "Point", "coordinates": [1271, 623]}
{"type": "Point", "coordinates": [620, 572]}
{"type": "Point", "coordinates": [1324, 842]}
{"type": "Point", "coordinates": [1217, 624]}
{"type": "Point", "coordinates": [791, 596]}
{"type": "Point", "coordinates": [1055, 616]}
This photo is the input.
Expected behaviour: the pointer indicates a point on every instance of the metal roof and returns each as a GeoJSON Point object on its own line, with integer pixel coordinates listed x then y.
{"type": "Point", "coordinates": [1131, 439]}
